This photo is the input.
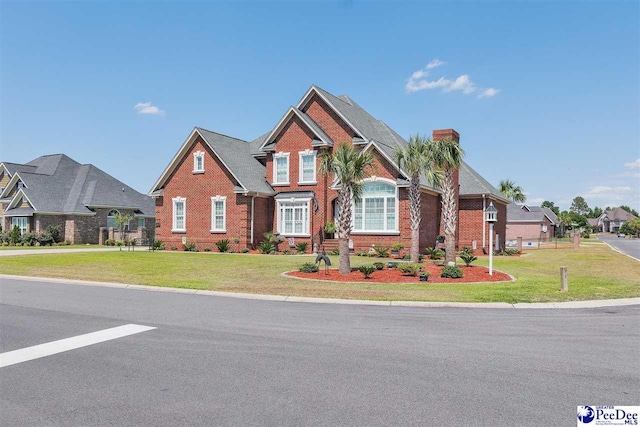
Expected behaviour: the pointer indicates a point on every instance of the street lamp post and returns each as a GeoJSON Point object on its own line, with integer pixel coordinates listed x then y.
{"type": "Point", "coordinates": [490, 215]}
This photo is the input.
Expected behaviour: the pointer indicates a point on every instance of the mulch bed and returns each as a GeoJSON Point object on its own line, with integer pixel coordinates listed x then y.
{"type": "Point", "coordinates": [472, 274]}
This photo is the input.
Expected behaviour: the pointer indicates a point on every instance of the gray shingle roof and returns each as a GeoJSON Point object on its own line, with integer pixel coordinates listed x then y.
{"type": "Point", "coordinates": [236, 155]}
{"type": "Point", "coordinates": [472, 183]}
{"type": "Point", "coordinates": [516, 213]}
{"type": "Point", "coordinates": [619, 214]}
{"type": "Point", "coordinates": [60, 184]}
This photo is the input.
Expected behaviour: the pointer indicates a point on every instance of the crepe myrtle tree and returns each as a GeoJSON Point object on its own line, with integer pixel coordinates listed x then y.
{"type": "Point", "coordinates": [349, 167]}
{"type": "Point", "coordinates": [121, 221]}
{"type": "Point", "coordinates": [446, 156]}
{"type": "Point", "coordinates": [414, 159]}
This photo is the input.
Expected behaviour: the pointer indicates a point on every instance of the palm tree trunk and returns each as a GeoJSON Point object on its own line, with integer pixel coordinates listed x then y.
{"type": "Point", "coordinates": [414, 216]}
{"type": "Point", "coordinates": [344, 229]}
{"type": "Point", "coordinates": [449, 217]}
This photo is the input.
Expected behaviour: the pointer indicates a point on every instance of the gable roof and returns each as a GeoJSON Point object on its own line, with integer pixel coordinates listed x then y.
{"type": "Point", "coordinates": [58, 184]}
{"type": "Point", "coordinates": [526, 213]}
{"type": "Point", "coordinates": [618, 214]}
{"type": "Point", "coordinates": [233, 153]}
{"type": "Point", "coordinates": [322, 138]}
{"type": "Point", "coordinates": [473, 184]}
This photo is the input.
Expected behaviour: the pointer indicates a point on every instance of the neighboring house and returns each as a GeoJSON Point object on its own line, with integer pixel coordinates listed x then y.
{"type": "Point", "coordinates": [219, 187]}
{"type": "Point", "coordinates": [82, 199]}
{"type": "Point", "coordinates": [593, 223]}
{"type": "Point", "coordinates": [611, 221]}
{"type": "Point", "coordinates": [531, 223]}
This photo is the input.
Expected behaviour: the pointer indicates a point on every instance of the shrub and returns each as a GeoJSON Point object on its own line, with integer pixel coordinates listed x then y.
{"type": "Point", "coordinates": [302, 247]}
{"type": "Point", "coordinates": [367, 270]}
{"type": "Point", "coordinates": [174, 248]}
{"type": "Point", "coordinates": [223, 245]}
{"type": "Point", "coordinates": [14, 235]}
{"type": "Point", "coordinates": [451, 271]}
{"type": "Point", "coordinates": [132, 242]}
{"type": "Point", "coordinates": [236, 240]}
{"type": "Point", "coordinates": [189, 247]}
{"type": "Point", "coordinates": [110, 242]}
{"type": "Point", "coordinates": [46, 240]}
{"type": "Point", "coordinates": [67, 242]}
{"type": "Point", "coordinates": [309, 267]}
{"type": "Point", "coordinates": [378, 265]}
{"type": "Point", "coordinates": [409, 269]}
{"type": "Point", "coordinates": [392, 264]}
{"type": "Point", "coordinates": [119, 243]}
{"type": "Point", "coordinates": [466, 250]}
{"type": "Point", "coordinates": [265, 247]}
{"type": "Point", "coordinates": [274, 239]}
{"type": "Point", "coordinates": [286, 252]}
{"type": "Point", "coordinates": [381, 251]}
{"type": "Point", "coordinates": [29, 239]}
{"type": "Point", "coordinates": [335, 252]}
{"type": "Point", "coordinates": [467, 258]}
{"type": "Point", "coordinates": [245, 250]}
{"type": "Point", "coordinates": [158, 245]}
{"type": "Point", "coordinates": [362, 253]}
{"type": "Point", "coordinates": [509, 252]}
{"type": "Point", "coordinates": [330, 227]}
{"type": "Point", "coordinates": [54, 232]}
{"type": "Point", "coordinates": [397, 247]}
{"type": "Point", "coordinates": [434, 253]}
{"type": "Point", "coordinates": [207, 249]}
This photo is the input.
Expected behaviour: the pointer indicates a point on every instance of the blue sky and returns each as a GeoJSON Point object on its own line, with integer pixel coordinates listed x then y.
{"type": "Point", "coordinates": [546, 94]}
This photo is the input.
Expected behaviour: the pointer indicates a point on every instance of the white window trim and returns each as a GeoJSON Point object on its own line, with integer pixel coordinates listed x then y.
{"type": "Point", "coordinates": [23, 219]}
{"type": "Point", "coordinates": [196, 155]}
{"type": "Point", "coordinates": [222, 199]}
{"type": "Point", "coordinates": [395, 229]}
{"type": "Point", "coordinates": [305, 153]}
{"type": "Point", "coordinates": [175, 229]}
{"type": "Point", "coordinates": [275, 169]}
{"type": "Point", "coordinates": [280, 227]}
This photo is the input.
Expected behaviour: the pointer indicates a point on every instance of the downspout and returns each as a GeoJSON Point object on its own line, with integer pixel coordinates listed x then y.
{"type": "Point", "coordinates": [253, 198]}
{"type": "Point", "coordinates": [484, 225]}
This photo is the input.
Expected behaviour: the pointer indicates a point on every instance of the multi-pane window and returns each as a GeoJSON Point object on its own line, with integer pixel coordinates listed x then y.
{"type": "Point", "coordinates": [281, 168]}
{"type": "Point", "coordinates": [140, 222]}
{"type": "Point", "coordinates": [218, 213]}
{"type": "Point", "coordinates": [293, 218]}
{"type": "Point", "coordinates": [376, 209]}
{"type": "Point", "coordinates": [307, 167]}
{"type": "Point", "coordinates": [111, 219]}
{"type": "Point", "coordinates": [179, 214]}
{"type": "Point", "coordinates": [198, 161]}
{"type": "Point", "coordinates": [21, 222]}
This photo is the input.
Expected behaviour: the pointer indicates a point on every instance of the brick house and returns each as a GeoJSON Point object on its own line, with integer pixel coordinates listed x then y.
{"type": "Point", "coordinates": [610, 221]}
{"type": "Point", "coordinates": [82, 199]}
{"type": "Point", "coordinates": [531, 223]}
{"type": "Point", "coordinates": [218, 187]}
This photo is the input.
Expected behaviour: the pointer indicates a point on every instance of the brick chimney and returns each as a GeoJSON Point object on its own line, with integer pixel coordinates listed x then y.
{"type": "Point", "coordinates": [439, 135]}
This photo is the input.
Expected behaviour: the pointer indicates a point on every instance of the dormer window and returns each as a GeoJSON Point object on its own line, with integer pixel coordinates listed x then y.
{"type": "Point", "coordinates": [281, 169]}
{"type": "Point", "coordinates": [198, 162]}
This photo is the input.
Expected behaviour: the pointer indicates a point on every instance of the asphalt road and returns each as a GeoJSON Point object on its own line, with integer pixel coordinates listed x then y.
{"type": "Point", "coordinates": [627, 246]}
{"type": "Point", "coordinates": [227, 361]}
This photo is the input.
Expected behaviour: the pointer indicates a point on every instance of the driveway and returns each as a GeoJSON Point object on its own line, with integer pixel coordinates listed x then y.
{"type": "Point", "coordinates": [166, 359]}
{"type": "Point", "coordinates": [629, 247]}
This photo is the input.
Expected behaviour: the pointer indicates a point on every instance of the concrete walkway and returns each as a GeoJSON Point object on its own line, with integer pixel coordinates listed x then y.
{"type": "Point", "coordinates": [18, 252]}
{"type": "Point", "coordinates": [293, 298]}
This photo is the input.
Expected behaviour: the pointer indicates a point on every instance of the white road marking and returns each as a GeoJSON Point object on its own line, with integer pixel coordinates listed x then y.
{"type": "Point", "coordinates": [54, 347]}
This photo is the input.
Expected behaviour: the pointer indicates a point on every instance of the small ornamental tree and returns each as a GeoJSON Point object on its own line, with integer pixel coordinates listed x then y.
{"type": "Point", "coordinates": [121, 221]}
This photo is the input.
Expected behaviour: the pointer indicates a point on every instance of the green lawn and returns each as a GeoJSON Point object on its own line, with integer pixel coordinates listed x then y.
{"type": "Point", "coordinates": [595, 272]}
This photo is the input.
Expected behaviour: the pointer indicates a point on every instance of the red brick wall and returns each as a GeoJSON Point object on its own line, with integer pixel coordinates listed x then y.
{"type": "Point", "coordinates": [328, 120]}
{"type": "Point", "coordinates": [471, 217]}
{"type": "Point", "coordinates": [198, 190]}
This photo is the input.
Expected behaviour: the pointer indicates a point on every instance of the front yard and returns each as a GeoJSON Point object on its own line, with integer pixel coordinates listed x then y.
{"type": "Point", "coordinates": [595, 272]}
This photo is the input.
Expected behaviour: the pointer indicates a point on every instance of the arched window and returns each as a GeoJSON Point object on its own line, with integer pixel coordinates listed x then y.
{"type": "Point", "coordinates": [377, 209]}
{"type": "Point", "coordinates": [111, 219]}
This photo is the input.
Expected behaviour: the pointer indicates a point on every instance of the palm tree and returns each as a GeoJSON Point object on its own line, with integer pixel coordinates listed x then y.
{"type": "Point", "coordinates": [512, 191]}
{"type": "Point", "coordinates": [349, 168]}
{"type": "Point", "coordinates": [446, 155]}
{"type": "Point", "coordinates": [414, 159]}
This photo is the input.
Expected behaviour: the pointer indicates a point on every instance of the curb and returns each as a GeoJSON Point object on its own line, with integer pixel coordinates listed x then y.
{"type": "Point", "coordinates": [298, 299]}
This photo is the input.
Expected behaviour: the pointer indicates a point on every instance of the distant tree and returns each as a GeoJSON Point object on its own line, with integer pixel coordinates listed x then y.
{"type": "Point", "coordinates": [512, 191]}
{"type": "Point", "coordinates": [574, 221]}
{"type": "Point", "coordinates": [579, 206]}
{"type": "Point", "coordinates": [631, 227]}
{"type": "Point", "coordinates": [552, 206]}
{"type": "Point", "coordinates": [595, 212]}
{"type": "Point", "coordinates": [628, 209]}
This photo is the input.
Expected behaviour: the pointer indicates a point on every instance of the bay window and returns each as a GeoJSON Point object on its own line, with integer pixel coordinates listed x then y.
{"type": "Point", "coordinates": [293, 218]}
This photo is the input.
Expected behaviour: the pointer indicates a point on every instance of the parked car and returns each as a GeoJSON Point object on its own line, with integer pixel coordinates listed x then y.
{"type": "Point", "coordinates": [621, 234]}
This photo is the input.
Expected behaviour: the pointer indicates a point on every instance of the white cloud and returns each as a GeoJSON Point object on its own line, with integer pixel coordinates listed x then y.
{"type": "Point", "coordinates": [147, 108]}
{"type": "Point", "coordinates": [488, 93]}
{"type": "Point", "coordinates": [609, 193]}
{"type": "Point", "coordinates": [419, 81]}
{"type": "Point", "coordinates": [435, 63]}
{"type": "Point", "coordinates": [462, 83]}
{"type": "Point", "coordinates": [633, 165]}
